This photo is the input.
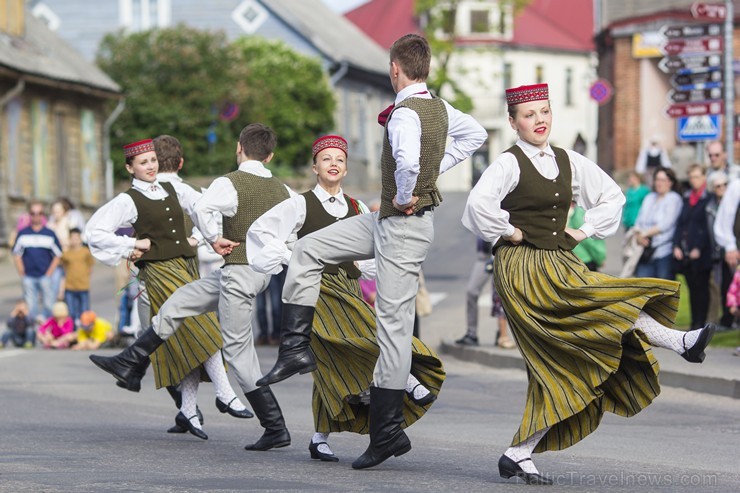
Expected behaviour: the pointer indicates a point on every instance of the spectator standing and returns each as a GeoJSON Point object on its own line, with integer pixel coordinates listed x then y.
{"type": "Point", "coordinates": [62, 220]}
{"type": "Point", "coordinates": [58, 331]}
{"type": "Point", "coordinates": [37, 253]}
{"type": "Point", "coordinates": [93, 332]}
{"type": "Point", "coordinates": [692, 246]}
{"type": "Point", "coordinates": [656, 226]}
{"type": "Point", "coordinates": [719, 280]}
{"type": "Point", "coordinates": [652, 157]}
{"type": "Point", "coordinates": [634, 195]}
{"type": "Point", "coordinates": [592, 251]}
{"type": "Point", "coordinates": [78, 263]}
{"type": "Point", "coordinates": [718, 161]}
{"type": "Point", "coordinates": [480, 275]}
{"type": "Point", "coordinates": [20, 327]}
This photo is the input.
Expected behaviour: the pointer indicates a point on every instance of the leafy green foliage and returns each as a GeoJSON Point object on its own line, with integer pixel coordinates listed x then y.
{"type": "Point", "coordinates": [179, 81]}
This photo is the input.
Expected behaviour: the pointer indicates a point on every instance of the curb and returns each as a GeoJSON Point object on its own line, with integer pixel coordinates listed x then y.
{"type": "Point", "coordinates": [725, 387]}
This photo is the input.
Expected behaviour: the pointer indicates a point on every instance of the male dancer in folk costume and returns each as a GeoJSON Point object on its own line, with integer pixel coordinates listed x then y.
{"type": "Point", "coordinates": [398, 237]}
{"type": "Point", "coordinates": [585, 336]}
{"type": "Point", "coordinates": [241, 196]}
{"type": "Point", "coordinates": [343, 333]}
{"type": "Point", "coordinates": [165, 258]}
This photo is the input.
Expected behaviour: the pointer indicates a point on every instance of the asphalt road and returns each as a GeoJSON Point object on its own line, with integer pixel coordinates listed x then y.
{"type": "Point", "coordinates": [65, 426]}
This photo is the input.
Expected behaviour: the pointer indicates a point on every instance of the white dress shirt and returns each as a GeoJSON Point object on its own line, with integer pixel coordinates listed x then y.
{"type": "Point", "coordinates": [404, 135]}
{"type": "Point", "coordinates": [592, 189]}
{"type": "Point", "coordinates": [221, 197]}
{"type": "Point", "coordinates": [270, 239]}
{"type": "Point", "coordinates": [121, 212]}
{"type": "Point", "coordinates": [724, 224]}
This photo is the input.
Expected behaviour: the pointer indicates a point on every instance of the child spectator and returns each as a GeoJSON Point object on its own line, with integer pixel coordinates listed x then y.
{"type": "Point", "coordinates": [93, 331]}
{"type": "Point", "coordinates": [20, 327]}
{"type": "Point", "coordinates": [77, 262]}
{"type": "Point", "coordinates": [733, 300]}
{"type": "Point", "coordinates": [58, 331]}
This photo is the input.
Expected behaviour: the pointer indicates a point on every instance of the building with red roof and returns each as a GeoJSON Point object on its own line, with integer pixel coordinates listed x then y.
{"type": "Point", "coordinates": [546, 41]}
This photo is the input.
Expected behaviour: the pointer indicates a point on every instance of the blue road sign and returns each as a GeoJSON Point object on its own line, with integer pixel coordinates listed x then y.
{"type": "Point", "coordinates": [698, 128]}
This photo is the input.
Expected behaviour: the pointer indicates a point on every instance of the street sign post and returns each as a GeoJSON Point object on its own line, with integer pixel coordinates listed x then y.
{"type": "Point", "coordinates": [692, 31]}
{"type": "Point", "coordinates": [679, 46]}
{"type": "Point", "coordinates": [695, 109]}
{"type": "Point", "coordinates": [694, 95]}
{"type": "Point", "coordinates": [714, 11]}
{"type": "Point", "coordinates": [679, 81]}
{"type": "Point", "coordinates": [698, 128]}
{"type": "Point", "coordinates": [690, 64]}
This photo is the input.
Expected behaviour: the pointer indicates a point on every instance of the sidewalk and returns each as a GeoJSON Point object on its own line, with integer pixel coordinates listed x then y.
{"type": "Point", "coordinates": [718, 375]}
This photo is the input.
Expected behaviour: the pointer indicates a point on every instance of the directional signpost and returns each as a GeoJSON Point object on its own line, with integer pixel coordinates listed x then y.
{"type": "Point", "coordinates": [692, 31]}
{"type": "Point", "coordinates": [681, 80]}
{"type": "Point", "coordinates": [693, 95]}
{"type": "Point", "coordinates": [695, 109]}
{"type": "Point", "coordinates": [713, 11]}
{"type": "Point", "coordinates": [690, 64]}
{"type": "Point", "coordinates": [709, 44]}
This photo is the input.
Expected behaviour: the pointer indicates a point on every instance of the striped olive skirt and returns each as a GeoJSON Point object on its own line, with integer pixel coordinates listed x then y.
{"type": "Point", "coordinates": [574, 328]}
{"type": "Point", "coordinates": [197, 339]}
{"type": "Point", "coordinates": [344, 343]}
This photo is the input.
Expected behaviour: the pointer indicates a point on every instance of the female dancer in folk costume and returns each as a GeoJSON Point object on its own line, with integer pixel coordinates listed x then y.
{"type": "Point", "coordinates": [343, 332]}
{"type": "Point", "coordinates": [585, 336]}
{"type": "Point", "coordinates": [165, 256]}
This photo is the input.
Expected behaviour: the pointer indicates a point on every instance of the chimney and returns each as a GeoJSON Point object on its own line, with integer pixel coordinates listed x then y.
{"type": "Point", "coordinates": [12, 17]}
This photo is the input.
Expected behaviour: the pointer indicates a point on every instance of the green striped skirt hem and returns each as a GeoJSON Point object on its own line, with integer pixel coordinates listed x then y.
{"type": "Point", "coordinates": [197, 339]}
{"type": "Point", "coordinates": [344, 342]}
{"type": "Point", "coordinates": [575, 331]}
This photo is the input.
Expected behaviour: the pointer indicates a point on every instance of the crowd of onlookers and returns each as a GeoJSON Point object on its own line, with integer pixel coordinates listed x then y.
{"type": "Point", "coordinates": [673, 223]}
{"type": "Point", "coordinates": [55, 268]}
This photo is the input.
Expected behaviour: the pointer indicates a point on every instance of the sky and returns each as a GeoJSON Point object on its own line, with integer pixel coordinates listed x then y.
{"type": "Point", "coordinates": [343, 6]}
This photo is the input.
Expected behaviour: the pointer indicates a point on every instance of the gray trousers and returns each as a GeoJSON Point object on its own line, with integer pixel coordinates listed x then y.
{"type": "Point", "coordinates": [399, 245]}
{"type": "Point", "coordinates": [231, 291]}
{"type": "Point", "coordinates": [476, 282]}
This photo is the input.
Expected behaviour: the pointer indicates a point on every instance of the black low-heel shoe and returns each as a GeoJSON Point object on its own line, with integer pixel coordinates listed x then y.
{"type": "Point", "coordinates": [184, 422]}
{"type": "Point", "coordinates": [226, 408]}
{"type": "Point", "coordinates": [507, 468]}
{"type": "Point", "coordinates": [422, 401]}
{"type": "Point", "coordinates": [317, 454]}
{"type": "Point", "coordinates": [695, 354]}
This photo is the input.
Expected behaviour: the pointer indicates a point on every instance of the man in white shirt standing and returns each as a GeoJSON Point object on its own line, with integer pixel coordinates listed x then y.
{"type": "Point", "coordinates": [398, 237]}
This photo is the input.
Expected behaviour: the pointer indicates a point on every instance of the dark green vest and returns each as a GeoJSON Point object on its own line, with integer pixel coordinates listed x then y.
{"type": "Point", "coordinates": [162, 222]}
{"type": "Point", "coordinates": [434, 124]}
{"type": "Point", "coordinates": [317, 218]}
{"type": "Point", "coordinates": [256, 195]}
{"type": "Point", "coordinates": [539, 206]}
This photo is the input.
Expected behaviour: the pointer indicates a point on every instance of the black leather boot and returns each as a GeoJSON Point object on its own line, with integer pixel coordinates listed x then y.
{"type": "Point", "coordinates": [134, 383]}
{"type": "Point", "coordinates": [386, 436]}
{"type": "Point", "coordinates": [266, 408]}
{"type": "Point", "coordinates": [294, 354]}
{"type": "Point", "coordinates": [125, 365]}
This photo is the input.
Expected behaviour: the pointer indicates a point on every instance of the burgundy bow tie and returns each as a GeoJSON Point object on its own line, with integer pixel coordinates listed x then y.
{"type": "Point", "coordinates": [383, 116]}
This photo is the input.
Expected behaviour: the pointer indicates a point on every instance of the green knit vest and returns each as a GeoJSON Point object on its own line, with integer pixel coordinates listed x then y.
{"type": "Point", "coordinates": [434, 124]}
{"type": "Point", "coordinates": [539, 206]}
{"type": "Point", "coordinates": [256, 195]}
{"type": "Point", "coordinates": [317, 218]}
{"type": "Point", "coordinates": [162, 222]}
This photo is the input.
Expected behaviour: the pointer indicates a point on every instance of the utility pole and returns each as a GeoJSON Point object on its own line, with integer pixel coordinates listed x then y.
{"type": "Point", "coordinates": [729, 85]}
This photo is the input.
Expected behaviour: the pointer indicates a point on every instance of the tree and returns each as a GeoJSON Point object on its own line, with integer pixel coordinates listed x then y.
{"type": "Point", "coordinates": [196, 86]}
{"type": "Point", "coordinates": [438, 20]}
{"type": "Point", "coordinates": [294, 96]}
{"type": "Point", "coordinates": [176, 81]}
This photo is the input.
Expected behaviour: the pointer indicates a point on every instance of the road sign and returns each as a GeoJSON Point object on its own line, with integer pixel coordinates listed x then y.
{"type": "Point", "coordinates": [692, 31]}
{"type": "Point", "coordinates": [698, 128]}
{"type": "Point", "coordinates": [714, 11]}
{"type": "Point", "coordinates": [680, 46]}
{"type": "Point", "coordinates": [693, 95]}
{"type": "Point", "coordinates": [681, 80]}
{"type": "Point", "coordinates": [690, 64]}
{"type": "Point", "coordinates": [695, 109]}
{"type": "Point", "coordinates": [601, 91]}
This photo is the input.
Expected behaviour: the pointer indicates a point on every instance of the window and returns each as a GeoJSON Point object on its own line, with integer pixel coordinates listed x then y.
{"type": "Point", "coordinates": [140, 15]}
{"type": "Point", "coordinates": [448, 21]}
{"type": "Point", "coordinates": [41, 158]}
{"type": "Point", "coordinates": [539, 74]}
{"type": "Point", "coordinates": [249, 15]}
{"type": "Point", "coordinates": [568, 86]}
{"type": "Point", "coordinates": [479, 22]}
{"type": "Point", "coordinates": [507, 75]}
{"type": "Point", "coordinates": [16, 179]}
